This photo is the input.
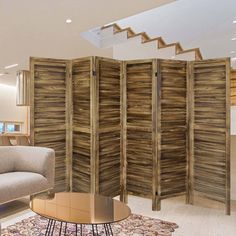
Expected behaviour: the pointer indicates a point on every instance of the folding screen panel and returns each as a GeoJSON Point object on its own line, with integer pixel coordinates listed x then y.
{"type": "Point", "coordinates": [210, 129]}
{"type": "Point", "coordinates": [49, 117]}
{"type": "Point", "coordinates": [172, 83]}
{"type": "Point", "coordinates": [82, 81]}
{"type": "Point", "coordinates": [139, 137]}
{"type": "Point", "coordinates": [233, 87]}
{"type": "Point", "coordinates": [108, 82]}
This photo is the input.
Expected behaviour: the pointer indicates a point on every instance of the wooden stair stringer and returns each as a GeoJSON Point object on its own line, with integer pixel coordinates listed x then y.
{"type": "Point", "coordinates": [160, 41]}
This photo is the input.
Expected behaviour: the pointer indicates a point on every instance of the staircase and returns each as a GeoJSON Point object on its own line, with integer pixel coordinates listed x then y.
{"type": "Point", "coordinates": [130, 45]}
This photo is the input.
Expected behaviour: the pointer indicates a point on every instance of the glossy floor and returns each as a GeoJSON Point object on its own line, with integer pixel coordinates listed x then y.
{"type": "Point", "coordinates": [205, 218]}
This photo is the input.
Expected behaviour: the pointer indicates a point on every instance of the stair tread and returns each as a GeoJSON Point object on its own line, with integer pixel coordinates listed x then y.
{"type": "Point", "coordinates": [160, 40]}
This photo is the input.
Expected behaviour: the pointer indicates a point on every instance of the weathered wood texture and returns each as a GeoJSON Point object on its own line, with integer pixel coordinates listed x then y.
{"type": "Point", "coordinates": [173, 131]}
{"type": "Point", "coordinates": [81, 164]}
{"type": "Point", "coordinates": [211, 128]}
{"type": "Point", "coordinates": [48, 112]}
{"type": "Point", "coordinates": [233, 87]}
{"type": "Point", "coordinates": [108, 73]}
{"type": "Point", "coordinates": [139, 128]}
{"type": "Point", "coordinates": [152, 128]}
{"type": "Point", "coordinates": [96, 125]}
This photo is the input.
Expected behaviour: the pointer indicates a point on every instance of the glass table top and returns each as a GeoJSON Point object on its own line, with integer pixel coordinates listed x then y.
{"type": "Point", "coordinates": [79, 208]}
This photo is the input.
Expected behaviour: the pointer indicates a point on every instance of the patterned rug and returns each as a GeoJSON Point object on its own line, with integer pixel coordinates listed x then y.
{"type": "Point", "coordinates": [135, 225]}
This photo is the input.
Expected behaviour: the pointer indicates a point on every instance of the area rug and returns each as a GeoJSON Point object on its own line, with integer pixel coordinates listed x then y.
{"type": "Point", "coordinates": [135, 225]}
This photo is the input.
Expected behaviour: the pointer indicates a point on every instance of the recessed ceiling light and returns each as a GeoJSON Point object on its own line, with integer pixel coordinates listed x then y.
{"type": "Point", "coordinates": [232, 52]}
{"type": "Point", "coordinates": [234, 21]}
{"type": "Point", "coordinates": [233, 39]}
{"type": "Point", "coordinates": [11, 66]}
{"type": "Point", "coordinates": [1, 74]}
{"type": "Point", "coordinates": [68, 21]}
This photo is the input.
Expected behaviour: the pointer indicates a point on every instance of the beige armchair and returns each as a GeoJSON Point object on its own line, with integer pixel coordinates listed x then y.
{"type": "Point", "coordinates": [25, 171]}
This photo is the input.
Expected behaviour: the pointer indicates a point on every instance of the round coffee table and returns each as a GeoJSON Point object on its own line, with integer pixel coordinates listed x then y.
{"type": "Point", "coordinates": [79, 209]}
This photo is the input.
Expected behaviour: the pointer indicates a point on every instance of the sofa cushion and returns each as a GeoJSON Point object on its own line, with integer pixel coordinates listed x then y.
{"type": "Point", "coordinates": [7, 160]}
{"type": "Point", "coordinates": [19, 184]}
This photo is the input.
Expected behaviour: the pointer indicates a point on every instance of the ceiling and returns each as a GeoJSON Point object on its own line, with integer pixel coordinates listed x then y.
{"type": "Point", "coordinates": [38, 28]}
{"type": "Point", "coordinates": [194, 23]}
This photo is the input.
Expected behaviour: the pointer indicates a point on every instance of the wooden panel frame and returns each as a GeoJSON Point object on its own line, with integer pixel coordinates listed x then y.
{"type": "Point", "coordinates": [156, 135]}
{"type": "Point", "coordinates": [140, 128]}
{"type": "Point", "coordinates": [206, 67]}
{"type": "Point", "coordinates": [53, 62]}
{"type": "Point", "coordinates": [173, 127]}
{"type": "Point", "coordinates": [108, 125]}
{"type": "Point", "coordinates": [83, 136]}
{"type": "Point", "coordinates": [228, 138]}
{"type": "Point", "coordinates": [69, 125]}
{"type": "Point", "coordinates": [190, 141]}
{"type": "Point", "coordinates": [94, 127]}
{"type": "Point", "coordinates": [123, 178]}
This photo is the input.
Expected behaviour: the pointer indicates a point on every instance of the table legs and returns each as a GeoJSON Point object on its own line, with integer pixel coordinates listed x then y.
{"type": "Point", "coordinates": [95, 232]}
{"type": "Point", "coordinates": [50, 228]}
{"type": "Point", "coordinates": [108, 229]}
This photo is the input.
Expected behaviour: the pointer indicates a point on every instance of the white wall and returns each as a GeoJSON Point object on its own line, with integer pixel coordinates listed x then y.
{"type": "Point", "coordinates": [134, 49]}
{"type": "Point", "coordinates": [188, 22]}
{"type": "Point", "coordinates": [233, 152]}
{"type": "Point", "coordinates": [8, 109]}
{"type": "Point", "coordinates": [233, 167]}
{"type": "Point", "coordinates": [233, 120]}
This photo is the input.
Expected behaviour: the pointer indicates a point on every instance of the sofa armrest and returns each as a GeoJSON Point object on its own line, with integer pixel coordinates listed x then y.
{"type": "Point", "coordinates": [36, 159]}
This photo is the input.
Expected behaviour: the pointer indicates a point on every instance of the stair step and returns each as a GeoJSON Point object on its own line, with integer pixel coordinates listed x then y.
{"type": "Point", "coordinates": [196, 51]}
{"type": "Point", "coordinates": [144, 36]}
{"type": "Point", "coordinates": [114, 29]}
{"type": "Point", "coordinates": [129, 31]}
{"type": "Point", "coordinates": [190, 55]}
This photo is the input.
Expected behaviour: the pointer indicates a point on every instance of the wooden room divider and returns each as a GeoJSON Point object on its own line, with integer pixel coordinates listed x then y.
{"type": "Point", "coordinates": [152, 128]}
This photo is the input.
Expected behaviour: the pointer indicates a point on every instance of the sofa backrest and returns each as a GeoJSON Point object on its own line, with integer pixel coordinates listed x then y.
{"type": "Point", "coordinates": [26, 159]}
{"type": "Point", "coordinates": [7, 160]}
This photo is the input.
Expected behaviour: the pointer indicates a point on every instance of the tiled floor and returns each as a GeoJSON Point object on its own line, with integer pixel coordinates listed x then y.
{"type": "Point", "coordinates": [198, 220]}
